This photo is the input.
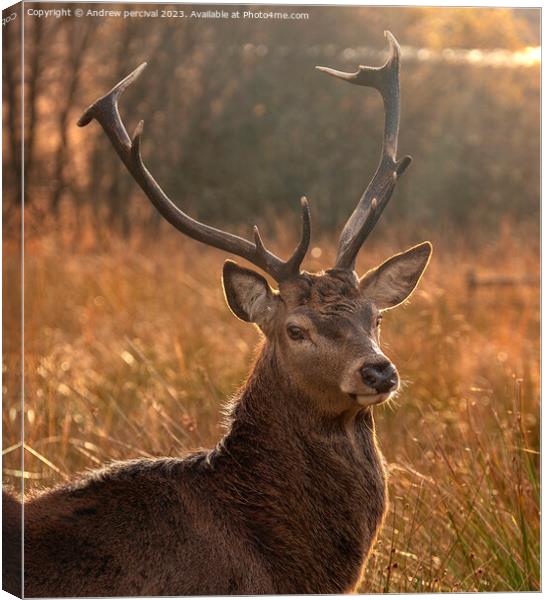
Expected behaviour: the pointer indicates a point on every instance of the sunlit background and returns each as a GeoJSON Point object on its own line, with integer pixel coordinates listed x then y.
{"type": "Point", "coordinates": [129, 347]}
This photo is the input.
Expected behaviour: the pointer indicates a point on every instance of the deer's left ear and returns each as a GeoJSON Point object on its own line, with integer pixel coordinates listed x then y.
{"type": "Point", "coordinates": [248, 294]}
{"type": "Point", "coordinates": [394, 280]}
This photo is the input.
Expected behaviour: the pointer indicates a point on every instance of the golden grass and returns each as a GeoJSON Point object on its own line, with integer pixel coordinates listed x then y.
{"type": "Point", "coordinates": [130, 351]}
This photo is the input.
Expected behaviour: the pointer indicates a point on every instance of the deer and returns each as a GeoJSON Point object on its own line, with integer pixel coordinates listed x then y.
{"type": "Point", "coordinates": [291, 499]}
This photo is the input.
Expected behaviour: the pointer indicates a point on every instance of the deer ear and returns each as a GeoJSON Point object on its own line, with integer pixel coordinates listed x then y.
{"type": "Point", "coordinates": [248, 294]}
{"type": "Point", "coordinates": [394, 280]}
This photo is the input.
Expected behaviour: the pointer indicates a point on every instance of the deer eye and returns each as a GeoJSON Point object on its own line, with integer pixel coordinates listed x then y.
{"type": "Point", "coordinates": [378, 320]}
{"type": "Point", "coordinates": [295, 333]}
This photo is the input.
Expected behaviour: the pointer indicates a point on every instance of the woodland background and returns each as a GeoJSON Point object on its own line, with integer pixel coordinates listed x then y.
{"type": "Point", "coordinates": [129, 348]}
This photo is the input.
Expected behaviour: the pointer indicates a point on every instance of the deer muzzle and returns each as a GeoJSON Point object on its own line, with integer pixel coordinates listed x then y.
{"type": "Point", "coordinates": [370, 381]}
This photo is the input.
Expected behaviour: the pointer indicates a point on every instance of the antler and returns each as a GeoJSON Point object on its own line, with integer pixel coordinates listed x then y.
{"type": "Point", "coordinates": [105, 111]}
{"type": "Point", "coordinates": [375, 198]}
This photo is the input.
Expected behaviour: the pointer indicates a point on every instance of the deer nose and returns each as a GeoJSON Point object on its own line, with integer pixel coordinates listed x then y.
{"type": "Point", "coordinates": [380, 376]}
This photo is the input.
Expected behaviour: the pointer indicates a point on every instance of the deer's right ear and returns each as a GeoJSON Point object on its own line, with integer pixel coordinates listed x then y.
{"type": "Point", "coordinates": [248, 294]}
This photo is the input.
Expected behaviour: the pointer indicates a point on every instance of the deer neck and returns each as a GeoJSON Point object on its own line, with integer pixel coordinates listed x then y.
{"type": "Point", "coordinates": [292, 467]}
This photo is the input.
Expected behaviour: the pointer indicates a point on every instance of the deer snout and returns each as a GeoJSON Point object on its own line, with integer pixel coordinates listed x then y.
{"type": "Point", "coordinates": [381, 376]}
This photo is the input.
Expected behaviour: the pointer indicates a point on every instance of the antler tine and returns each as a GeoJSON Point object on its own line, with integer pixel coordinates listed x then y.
{"type": "Point", "coordinates": [105, 111]}
{"type": "Point", "coordinates": [376, 196]}
{"type": "Point", "coordinates": [294, 262]}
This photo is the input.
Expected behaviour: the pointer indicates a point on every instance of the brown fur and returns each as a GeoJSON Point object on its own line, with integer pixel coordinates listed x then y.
{"type": "Point", "coordinates": [11, 544]}
{"type": "Point", "coordinates": [290, 501]}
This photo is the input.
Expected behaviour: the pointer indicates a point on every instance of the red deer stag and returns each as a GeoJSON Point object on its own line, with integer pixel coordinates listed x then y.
{"type": "Point", "coordinates": [292, 498]}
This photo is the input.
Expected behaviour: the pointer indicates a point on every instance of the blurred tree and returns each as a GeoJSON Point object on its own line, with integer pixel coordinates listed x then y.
{"type": "Point", "coordinates": [467, 28]}
{"type": "Point", "coordinates": [11, 155]}
{"type": "Point", "coordinates": [239, 124]}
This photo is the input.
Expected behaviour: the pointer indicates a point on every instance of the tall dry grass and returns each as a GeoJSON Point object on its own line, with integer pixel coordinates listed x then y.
{"type": "Point", "coordinates": [131, 351]}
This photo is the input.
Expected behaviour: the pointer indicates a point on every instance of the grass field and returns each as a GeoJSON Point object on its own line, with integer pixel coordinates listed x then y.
{"type": "Point", "coordinates": [130, 351]}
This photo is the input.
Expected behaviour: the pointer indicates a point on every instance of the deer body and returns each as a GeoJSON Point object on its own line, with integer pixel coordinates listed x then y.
{"type": "Point", "coordinates": [291, 499]}
{"type": "Point", "coordinates": [288, 502]}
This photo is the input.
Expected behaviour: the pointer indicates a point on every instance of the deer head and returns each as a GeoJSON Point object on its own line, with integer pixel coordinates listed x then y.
{"type": "Point", "coordinates": [322, 328]}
